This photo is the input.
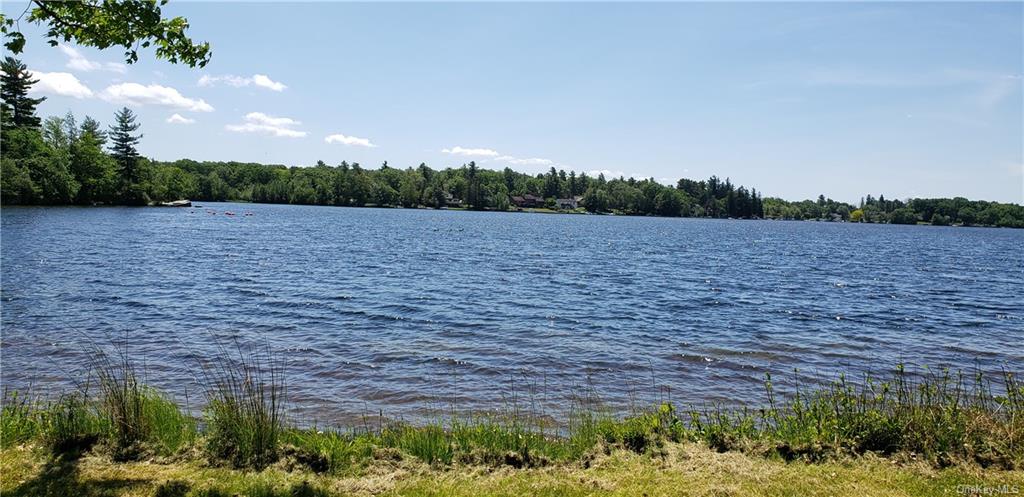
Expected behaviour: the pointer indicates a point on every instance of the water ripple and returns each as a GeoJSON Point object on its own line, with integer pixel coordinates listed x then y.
{"type": "Point", "coordinates": [401, 310]}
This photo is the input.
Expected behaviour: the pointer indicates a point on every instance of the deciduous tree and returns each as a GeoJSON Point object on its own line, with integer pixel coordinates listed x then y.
{"type": "Point", "coordinates": [129, 24]}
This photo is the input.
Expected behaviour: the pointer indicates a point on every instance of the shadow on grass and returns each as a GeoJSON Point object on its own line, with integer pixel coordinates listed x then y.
{"type": "Point", "coordinates": [60, 477]}
{"type": "Point", "coordinates": [296, 490]}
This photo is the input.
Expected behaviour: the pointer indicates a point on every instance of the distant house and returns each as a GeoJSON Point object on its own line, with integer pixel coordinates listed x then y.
{"type": "Point", "coordinates": [451, 201]}
{"type": "Point", "coordinates": [567, 203]}
{"type": "Point", "coordinates": [527, 201]}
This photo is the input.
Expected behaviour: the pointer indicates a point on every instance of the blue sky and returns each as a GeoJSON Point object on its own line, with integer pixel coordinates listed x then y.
{"type": "Point", "coordinates": [904, 99]}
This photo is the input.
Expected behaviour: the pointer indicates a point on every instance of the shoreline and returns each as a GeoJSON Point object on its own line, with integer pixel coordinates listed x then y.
{"type": "Point", "coordinates": [902, 434]}
{"type": "Point", "coordinates": [544, 211]}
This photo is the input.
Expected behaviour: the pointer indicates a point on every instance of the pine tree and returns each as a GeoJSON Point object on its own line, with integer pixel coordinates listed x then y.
{"type": "Point", "coordinates": [127, 157]}
{"type": "Point", "coordinates": [19, 110]}
{"type": "Point", "coordinates": [92, 126]}
{"type": "Point", "coordinates": [474, 198]}
{"type": "Point", "coordinates": [552, 187]}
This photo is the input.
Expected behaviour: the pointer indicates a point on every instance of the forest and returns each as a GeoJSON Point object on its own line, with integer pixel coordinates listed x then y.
{"type": "Point", "coordinates": [61, 161]}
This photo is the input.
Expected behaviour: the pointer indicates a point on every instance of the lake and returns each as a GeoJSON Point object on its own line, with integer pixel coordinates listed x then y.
{"type": "Point", "coordinates": [405, 311]}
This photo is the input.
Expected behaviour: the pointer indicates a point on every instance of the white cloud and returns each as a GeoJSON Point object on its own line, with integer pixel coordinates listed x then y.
{"type": "Point", "coordinates": [78, 62]}
{"type": "Point", "coordinates": [610, 175]}
{"type": "Point", "coordinates": [60, 83]}
{"type": "Point", "coordinates": [207, 80]}
{"type": "Point", "coordinates": [493, 156]}
{"type": "Point", "coordinates": [607, 174]}
{"type": "Point", "coordinates": [136, 94]}
{"type": "Point", "coordinates": [349, 140]}
{"type": "Point", "coordinates": [179, 119]}
{"type": "Point", "coordinates": [471, 152]}
{"type": "Point", "coordinates": [265, 82]}
{"type": "Point", "coordinates": [525, 162]}
{"type": "Point", "coordinates": [261, 118]}
{"type": "Point", "coordinates": [261, 80]}
{"type": "Point", "coordinates": [258, 122]}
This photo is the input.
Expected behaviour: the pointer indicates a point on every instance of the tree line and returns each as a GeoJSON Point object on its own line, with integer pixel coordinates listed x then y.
{"type": "Point", "coordinates": [935, 211]}
{"type": "Point", "coordinates": [62, 161]}
{"type": "Point", "coordinates": [469, 186]}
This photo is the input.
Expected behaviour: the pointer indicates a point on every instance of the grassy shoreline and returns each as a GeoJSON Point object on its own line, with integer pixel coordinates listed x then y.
{"type": "Point", "coordinates": [685, 469]}
{"type": "Point", "coordinates": [937, 426]}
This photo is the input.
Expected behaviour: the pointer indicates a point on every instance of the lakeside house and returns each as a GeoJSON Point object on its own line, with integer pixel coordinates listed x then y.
{"type": "Point", "coordinates": [568, 203]}
{"type": "Point", "coordinates": [527, 200]}
{"type": "Point", "coordinates": [451, 201]}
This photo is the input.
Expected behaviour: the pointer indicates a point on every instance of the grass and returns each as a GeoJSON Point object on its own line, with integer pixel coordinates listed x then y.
{"type": "Point", "coordinates": [685, 469]}
{"type": "Point", "coordinates": [939, 415]}
{"type": "Point", "coordinates": [938, 418]}
{"type": "Point", "coordinates": [171, 430]}
{"type": "Point", "coordinates": [141, 421]}
{"type": "Point", "coordinates": [129, 419]}
{"type": "Point", "coordinates": [937, 421]}
{"type": "Point", "coordinates": [245, 408]}
{"type": "Point", "coordinates": [122, 398]}
{"type": "Point", "coordinates": [17, 421]}
{"type": "Point", "coordinates": [333, 451]}
{"type": "Point", "coordinates": [69, 424]}
{"type": "Point", "coordinates": [66, 424]}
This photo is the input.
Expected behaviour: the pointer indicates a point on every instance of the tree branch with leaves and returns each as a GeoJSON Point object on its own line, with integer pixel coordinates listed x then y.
{"type": "Point", "coordinates": [102, 24]}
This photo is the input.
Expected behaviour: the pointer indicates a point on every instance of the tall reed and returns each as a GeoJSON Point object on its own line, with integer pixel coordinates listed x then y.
{"type": "Point", "coordinates": [245, 395]}
{"type": "Point", "coordinates": [141, 419]}
{"type": "Point", "coordinates": [936, 415]}
{"type": "Point", "coordinates": [122, 400]}
{"type": "Point", "coordinates": [940, 415]}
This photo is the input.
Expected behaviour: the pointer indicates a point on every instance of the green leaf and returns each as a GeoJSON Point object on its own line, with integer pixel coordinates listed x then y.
{"type": "Point", "coordinates": [16, 43]}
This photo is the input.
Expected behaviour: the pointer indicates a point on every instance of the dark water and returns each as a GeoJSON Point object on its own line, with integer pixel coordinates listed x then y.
{"type": "Point", "coordinates": [405, 310]}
